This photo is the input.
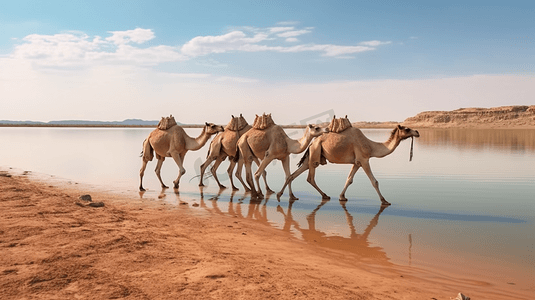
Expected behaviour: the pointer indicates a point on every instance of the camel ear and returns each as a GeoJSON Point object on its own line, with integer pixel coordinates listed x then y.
{"type": "Point", "coordinates": [399, 126]}
{"type": "Point", "coordinates": [206, 123]}
{"type": "Point", "coordinates": [310, 126]}
{"type": "Point", "coordinates": [241, 115]}
{"type": "Point", "coordinates": [232, 116]}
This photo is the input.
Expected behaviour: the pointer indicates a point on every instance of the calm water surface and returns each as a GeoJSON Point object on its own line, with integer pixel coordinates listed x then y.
{"type": "Point", "coordinates": [464, 205]}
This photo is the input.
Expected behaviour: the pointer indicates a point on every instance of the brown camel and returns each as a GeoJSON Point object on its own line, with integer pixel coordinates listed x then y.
{"type": "Point", "coordinates": [223, 145]}
{"type": "Point", "coordinates": [173, 142]}
{"type": "Point", "coordinates": [268, 141]}
{"type": "Point", "coordinates": [349, 146]}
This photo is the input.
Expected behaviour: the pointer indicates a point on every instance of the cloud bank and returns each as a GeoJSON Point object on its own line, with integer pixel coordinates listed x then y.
{"type": "Point", "coordinates": [127, 47]}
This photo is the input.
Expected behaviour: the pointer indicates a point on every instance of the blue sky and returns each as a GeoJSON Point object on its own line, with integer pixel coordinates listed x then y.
{"type": "Point", "coordinates": [205, 60]}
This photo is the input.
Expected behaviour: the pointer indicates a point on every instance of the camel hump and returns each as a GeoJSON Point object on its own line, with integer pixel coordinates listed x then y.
{"type": "Point", "coordinates": [167, 122]}
{"type": "Point", "coordinates": [242, 122]}
{"type": "Point", "coordinates": [263, 122]}
{"type": "Point", "coordinates": [339, 125]}
{"type": "Point", "coordinates": [236, 124]}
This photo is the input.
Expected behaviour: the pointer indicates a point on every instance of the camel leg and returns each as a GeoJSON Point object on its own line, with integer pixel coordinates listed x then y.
{"type": "Point", "coordinates": [286, 167]}
{"type": "Point", "coordinates": [291, 178]}
{"type": "Point", "coordinates": [157, 170]}
{"type": "Point", "coordinates": [220, 159]}
{"type": "Point", "coordinates": [249, 178]}
{"type": "Point", "coordinates": [349, 180]}
{"type": "Point", "coordinates": [312, 181]}
{"type": "Point", "coordinates": [179, 159]}
{"type": "Point", "coordinates": [238, 175]}
{"type": "Point", "coordinates": [259, 172]}
{"type": "Point", "coordinates": [205, 165]}
{"type": "Point", "coordinates": [141, 173]}
{"type": "Point", "coordinates": [375, 183]}
{"type": "Point", "coordinates": [229, 172]}
{"type": "Point", "coordinates": [264, 174]}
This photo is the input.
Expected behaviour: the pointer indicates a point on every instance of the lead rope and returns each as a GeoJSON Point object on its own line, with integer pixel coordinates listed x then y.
{"type": "Point", "coordinates": [412, 145]}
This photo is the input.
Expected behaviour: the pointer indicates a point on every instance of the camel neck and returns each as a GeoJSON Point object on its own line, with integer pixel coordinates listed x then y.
{"type": "Point", "coordinates": [198, 142]}
{"type": "Point", "coordinates": [298, 146]}
{"type": "Point", "coordinates": [384, 149]}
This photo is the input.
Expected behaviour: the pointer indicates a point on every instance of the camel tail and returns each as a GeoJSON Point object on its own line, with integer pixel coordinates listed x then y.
{"type": "Point", "coordinates": [323, 159]}
{"type": "Point", "coordinates": [307, 153]}
{"type": "Point", "coordinates": [148, 151]}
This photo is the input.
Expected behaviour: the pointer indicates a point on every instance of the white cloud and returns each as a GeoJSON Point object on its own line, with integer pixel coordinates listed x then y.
{"type": "Point", "coordinates": [232, 41]}
{"type": "Point", "coordinates": [374, 43]}
{"type": "Point", "coordinates": [293, 33]}
{"type": "Point", "coordinates": [137, 36]}
{"type": "Point", "coordinates": [75, 49]}
{"type": "Point", "coordinates": [287, 23]}
{"type": "Point", "coordinates": [334, 50]}
{"type": "Point", "coordinates": [261, 42]}
{"type": "Point", "coordinates": [56, 49]}
{"type": "Point", "coordinates": [280, 29]}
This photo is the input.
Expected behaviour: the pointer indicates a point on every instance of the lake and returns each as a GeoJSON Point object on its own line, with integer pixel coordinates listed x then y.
{"type": "Point", "coordinates": [463, 208]}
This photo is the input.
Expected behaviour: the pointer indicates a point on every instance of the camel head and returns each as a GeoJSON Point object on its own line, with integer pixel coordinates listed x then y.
{"type": "Point", "coordinates": [316, 131]}
{"type": "Point", "coordinates": [405, 132]}
{"type": "Point", "coordinates": [212, 128]}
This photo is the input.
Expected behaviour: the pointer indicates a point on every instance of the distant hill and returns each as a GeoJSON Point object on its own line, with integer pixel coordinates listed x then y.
{"type": "Point", "coordinates": [520, 116]}
{"type": "Point", "coordinates": [127, 122]}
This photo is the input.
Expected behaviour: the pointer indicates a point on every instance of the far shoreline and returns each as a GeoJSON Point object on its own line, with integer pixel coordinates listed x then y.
{"type": "Point", "coordinates": [362, 125]}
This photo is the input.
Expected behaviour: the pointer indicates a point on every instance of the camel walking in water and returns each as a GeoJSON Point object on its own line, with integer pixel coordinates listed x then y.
{"type": "Point", "coordinates": [268, 141]}
{"type": "Point", "coordinates": [348, 146]}
{"type": "Point", "coordinates": [225, 145]}
{"type": "Point", "coordinates": [173, 142]}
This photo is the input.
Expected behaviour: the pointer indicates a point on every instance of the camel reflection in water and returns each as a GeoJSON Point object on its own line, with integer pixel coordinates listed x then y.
{"type": "Point", "coordinates": [356, 243]}
{"type": "Point", "coordinates": [257, 210]}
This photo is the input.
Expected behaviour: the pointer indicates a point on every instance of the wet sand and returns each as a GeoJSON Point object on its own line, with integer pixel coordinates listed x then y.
{"type": "Point", "coordinates": [55, 246]}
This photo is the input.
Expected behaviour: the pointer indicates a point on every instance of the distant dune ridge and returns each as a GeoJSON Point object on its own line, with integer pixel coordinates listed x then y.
{"type": "Point", "coordinates": [518, 116]}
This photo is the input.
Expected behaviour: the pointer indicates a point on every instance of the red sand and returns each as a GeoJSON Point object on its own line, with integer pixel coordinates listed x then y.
{"type": "Point", "coordinates": [54, 246]}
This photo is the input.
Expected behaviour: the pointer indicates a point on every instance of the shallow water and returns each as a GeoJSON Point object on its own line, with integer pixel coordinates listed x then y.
{"type": "Point", "coordinates": [463, 205]}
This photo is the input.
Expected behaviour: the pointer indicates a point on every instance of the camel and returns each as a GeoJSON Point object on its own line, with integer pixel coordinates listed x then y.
{"type": "Point", "coordinates": [268, 141]}
{"type": "Point", "coordinates": [173, 142]}
{"type": "Point", "coordinates": [349, 146]}
{"type": "Point", "coordinates": [223, 145]}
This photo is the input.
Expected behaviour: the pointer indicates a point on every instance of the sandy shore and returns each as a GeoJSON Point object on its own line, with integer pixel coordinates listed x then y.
{"type": "Point", "coordinates": [55, 246]}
